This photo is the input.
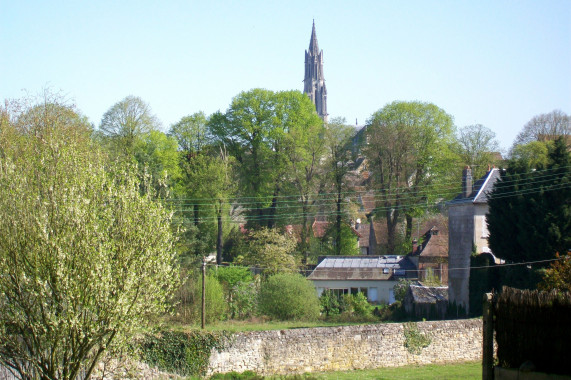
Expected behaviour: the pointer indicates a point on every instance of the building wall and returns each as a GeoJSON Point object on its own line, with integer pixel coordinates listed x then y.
{"type": "Point", "coordinates": [347, 348]}
{"type": "Point", "coordinates": [480, 228]}
{"type": "Point", "coordinates": [384, 288]}
{"type": "Point", "coordinates": [460, 240]}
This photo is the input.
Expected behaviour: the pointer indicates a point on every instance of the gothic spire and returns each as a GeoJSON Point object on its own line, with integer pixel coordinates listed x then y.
{"type": "Point", "coordinates": [313, 47]}
{"type": "Point", "coordinates": [314, 82]}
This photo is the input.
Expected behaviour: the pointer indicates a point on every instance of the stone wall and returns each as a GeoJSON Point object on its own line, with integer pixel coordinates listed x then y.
{"type": "Point", "coordinates": [347, 348]}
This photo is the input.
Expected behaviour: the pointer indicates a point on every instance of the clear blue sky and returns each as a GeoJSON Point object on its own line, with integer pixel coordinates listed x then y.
{"type": "Point", "coordinates": [497, 63]}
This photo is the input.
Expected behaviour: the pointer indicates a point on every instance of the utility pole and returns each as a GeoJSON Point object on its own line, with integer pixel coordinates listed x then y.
{"type": "Point", "coordinates": [203, 292]}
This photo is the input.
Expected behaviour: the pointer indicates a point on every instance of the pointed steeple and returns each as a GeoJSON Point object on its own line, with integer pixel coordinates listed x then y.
{"type": "Point", "coordinates": [314, 82]}
{"type": "Point", "coordinates": [313, 46]}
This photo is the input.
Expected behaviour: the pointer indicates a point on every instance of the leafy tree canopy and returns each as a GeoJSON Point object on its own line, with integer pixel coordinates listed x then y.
{"type": "Point", "coordinates": [411, 160]}
{"type": "Point", "coordinates": [85, 258]}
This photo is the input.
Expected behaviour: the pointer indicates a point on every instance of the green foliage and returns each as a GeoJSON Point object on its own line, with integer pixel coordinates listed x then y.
{"type": "Point", "coordinates": [216, 306]}
{"type": "Point", "coordinates": [410, 156]}
{"type": "Point", "coordinates": [329, 303]}
{"type": "Point", "coordinates": [341, 241]}
{"type": "Point", "coordinates": [157, 153]}
{"type": "Point", "coordinates": [414, 340]}
{"type": "Point", "coordinates": [533, 154]}
{"type": "Point", "coordinates": [241, 291]}
{"type": "Point", "coordinates": [181, 353]}
{"type": "Point", "coordinates": [246, 375]}
{"type": "Point", "coordinates": [244, 300]}
{"type": "Point", "coordinates": [400, 289]}
{"type": "Point", "coordinates": [230, 276]}
{"type": "Point", "coordinates": [558, 275]}
{"type": "Point", "coordinates": [86, 259]}
{"type": "Point", "coordinates": [529, 214]}
{"type": "Point", "coordinates": [191, 132]}
{"type": "Point", "coordinates": [356, 304]}
{"type": "Point", "coordinates": [288, 296]}
{"type": "Point", "coordinates": [270, 250]}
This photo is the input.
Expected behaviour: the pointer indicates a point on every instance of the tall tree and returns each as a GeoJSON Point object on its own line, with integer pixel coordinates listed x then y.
{"type": "Point", "coordinates": [191, 132]}
{"type": "Point", "coordinates": [338, 136]}
{"type": "Point", "coordinates": [304, 147]}
{"type": "Point", "coordinates": [126, 121]}
{"type": "Point", "coordinates": [476, 147]}
{"type": "Point", "coordinates": [529, 214]}
{"type": "Point", "coordinates": [544, 126]}
{"type": "Point", "coordinates": [252, 133]}
{"type": "Point", "coordinates": [409, 153]}
{"type": "Point", "coordinates": [157, 154]}
{"type": "Point", "coordinates": [85, 258]}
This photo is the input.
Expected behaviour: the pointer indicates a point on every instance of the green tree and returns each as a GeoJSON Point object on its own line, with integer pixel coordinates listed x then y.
{"type": "Point", "coordinates": [476, 145]}
{"type": "Point", "coordinates": [252, 134]}
{"type": "Point", "coordinates": [343, 241]}
{"type": "Point", "coordinates": [125, 122]}
{"type": "Point", "coordinates": [191, 133]}
{"type": "Point", "coordinates": [157, 154]}
{"type": "Point", "coordinates": [533, 154]}
{"type": "Point", "coordinates": [529, 215]}
{"type": "Point", "coordinates": [270, 250]}
{"type": "Point", "coordinates": [288, 296]}
{"type": "Point", "coordinates": [338, 135]}
{"type": "Point", "coordinates": [304, 147]}
{"type": "Point", "coordinates": [409, 153]}
{"type": "Point", "coordinates": [85, 258]}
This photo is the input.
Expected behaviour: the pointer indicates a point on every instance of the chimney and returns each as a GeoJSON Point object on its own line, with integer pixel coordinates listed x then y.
{"type": "Point", "coordinates": [466, 182]}
{"type": "Point", "coordinates": [414, 245]}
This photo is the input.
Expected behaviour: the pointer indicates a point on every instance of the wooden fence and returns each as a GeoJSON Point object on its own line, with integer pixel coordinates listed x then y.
{"type": "Point", "coordinates": [530, 327]}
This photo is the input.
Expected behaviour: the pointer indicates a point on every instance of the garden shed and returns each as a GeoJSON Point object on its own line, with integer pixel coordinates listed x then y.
{"type": "Point", "coordinates": [430, 302]}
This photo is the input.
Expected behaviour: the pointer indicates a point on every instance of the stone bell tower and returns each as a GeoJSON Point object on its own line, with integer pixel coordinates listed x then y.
{"type": "Point", "coordinates": [314, 82]}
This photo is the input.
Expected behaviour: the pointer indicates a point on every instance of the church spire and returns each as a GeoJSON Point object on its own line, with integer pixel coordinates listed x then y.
{"type": "Point", "coordinates": [314, 82]}
{"type": "Point", "coordinates": [313, 46]}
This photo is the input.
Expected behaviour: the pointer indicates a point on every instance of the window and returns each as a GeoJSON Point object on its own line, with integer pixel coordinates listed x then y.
{"type": "Point", "coordinates": [386, 270]}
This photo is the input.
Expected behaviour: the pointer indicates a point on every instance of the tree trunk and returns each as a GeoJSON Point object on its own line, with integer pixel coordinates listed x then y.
{"type": "Point", "coordinates": [408, 231]}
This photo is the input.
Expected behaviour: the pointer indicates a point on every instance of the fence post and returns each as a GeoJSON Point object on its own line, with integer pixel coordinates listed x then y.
{"type": "Point", "coordinates": [488, 338]}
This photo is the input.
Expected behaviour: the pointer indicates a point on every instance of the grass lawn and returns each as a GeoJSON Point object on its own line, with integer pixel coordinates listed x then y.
{"type": "Point", "coordinates": [470, 370]}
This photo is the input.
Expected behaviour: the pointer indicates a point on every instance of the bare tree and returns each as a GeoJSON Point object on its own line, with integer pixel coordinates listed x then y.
{"type": "Point", "coordinates": [545, 126]}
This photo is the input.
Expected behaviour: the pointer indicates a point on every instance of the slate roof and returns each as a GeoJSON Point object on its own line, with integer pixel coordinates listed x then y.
{"type": "Point", "coordinates": [428, 294]}
{"type": "Point", "coordinates": [362, 268]}
{"type": "Point", "coordinates": [481, 189]}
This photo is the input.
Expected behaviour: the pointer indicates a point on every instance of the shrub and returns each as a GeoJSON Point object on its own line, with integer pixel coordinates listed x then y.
{"type": "Point", "coordinates": [289, 296]}
{"type": "Point", "coordinates": [329, 303]}
{"type": "Point", "coordinates": [244, 300]}
{"type": "Point", "coordinates": [216, 306]}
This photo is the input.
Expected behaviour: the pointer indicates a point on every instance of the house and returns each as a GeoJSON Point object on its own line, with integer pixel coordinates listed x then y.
{"type": "Point", "coordinates": [430, 302]}
{"type": "Point", "coordinates": [374, 276]}
{"type": "Point", "coordinates": [468, 231]}
{"type": "Point", "coordinates": [431, 256]}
